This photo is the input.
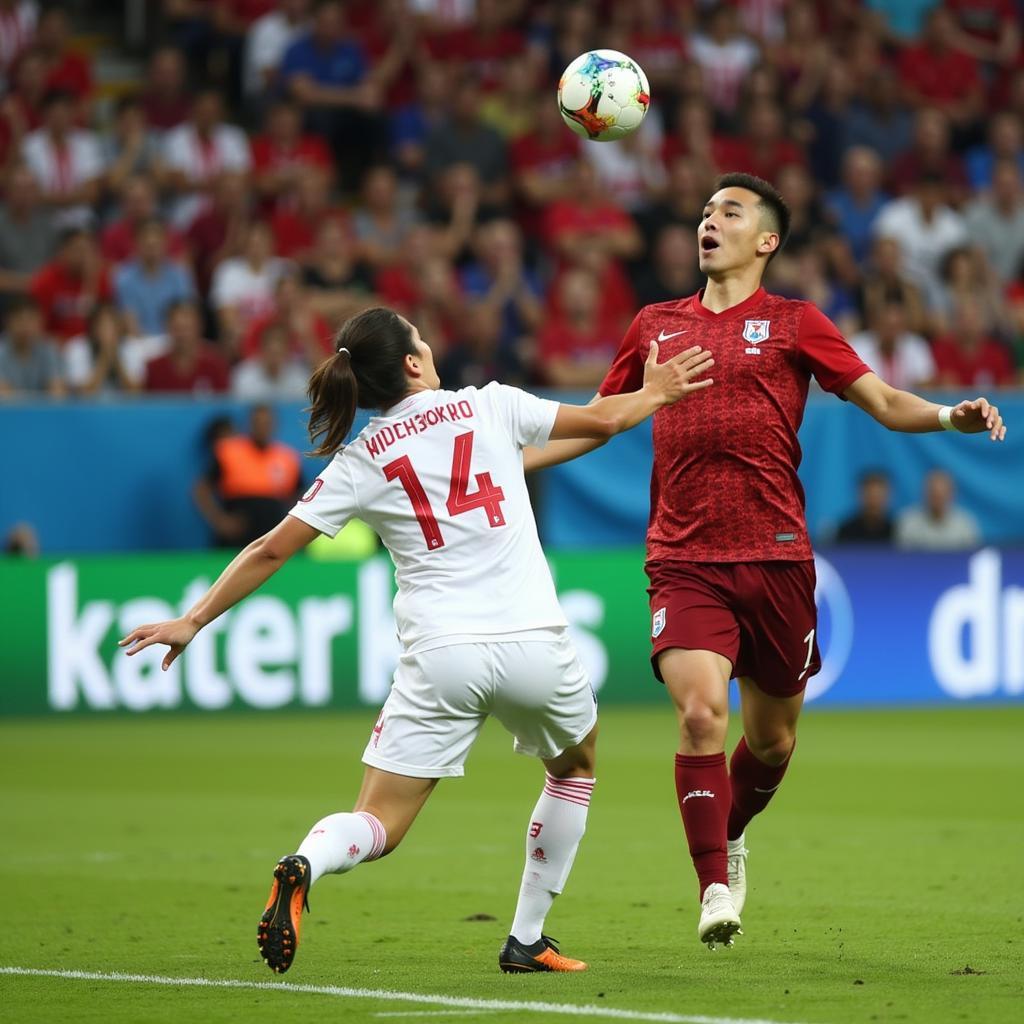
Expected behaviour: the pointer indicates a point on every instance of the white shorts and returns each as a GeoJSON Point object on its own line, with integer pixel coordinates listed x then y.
{"type": "Point", "coordinates": [441, 698]}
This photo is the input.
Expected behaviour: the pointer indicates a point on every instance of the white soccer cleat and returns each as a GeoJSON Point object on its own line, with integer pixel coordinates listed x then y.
{"type": "Point", "coordinates": [719, 921]}
{"type": "Point", "coordinates": [736, 854]}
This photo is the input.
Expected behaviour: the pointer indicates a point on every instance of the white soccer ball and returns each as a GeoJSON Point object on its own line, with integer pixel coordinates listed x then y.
{"type": "Point", "coordinates": [603, 95]}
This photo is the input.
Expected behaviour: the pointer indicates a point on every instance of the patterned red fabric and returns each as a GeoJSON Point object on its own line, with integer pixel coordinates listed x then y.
{"type": "Point", "coordinates": [724, 486]}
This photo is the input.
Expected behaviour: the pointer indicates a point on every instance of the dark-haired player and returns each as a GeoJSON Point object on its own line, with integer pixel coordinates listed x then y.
{"type": "Point", "coordinates": [729, 561]}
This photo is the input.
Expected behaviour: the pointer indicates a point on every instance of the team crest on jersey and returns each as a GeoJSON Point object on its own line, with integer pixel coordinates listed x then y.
{"type": "Point", "coordinates": [756, 331]}
{"type": "Point", "coordinates": [659, 623]}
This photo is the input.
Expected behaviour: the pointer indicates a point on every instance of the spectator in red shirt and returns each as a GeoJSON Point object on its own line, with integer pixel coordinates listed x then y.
{"type": "Point", "coordinates": [542, 162]}
{"type": "Point", "coordinates": [586, 225]}
{"type": "Point", "coordinates": [988, 29]}
{"type": "Point", "coordinates": [68, 287]}
{"type": "Point", "coordinates": [762, 148]}
{"type": "Point", "coordinates": [656, 42]}
{"type": "Point", "coordinates": [283, 152]}
{"type": "Point", "coordinates": [693, 134]}
{"type": "Point", "coordinates": [166, 99]}
{"type": "Point", "coordinates": [587, 230]}
{"type": "Point", "coordinates": [483, 47]}
{"type": "Point", "coordinates": [970, 357]}
{"type": "Point", "coordinates": [576, 346]}
{"type": "Point", "coordinates": [424, 285]}
{"type": "Point", "coordinates": [67, 70]}
{"type": "Point", "coordinates": [936, 73]}
{"type": "Point", "coordinates": [929, 154]}
{"type": "Point", "coordinates": [137, 205]}
{"type": "Point", "coordinates": [308, 334]}
{"type": "Point", "coordinates": [300, 214]}
{"type": "Point", "coordinates": [219, 232]}
{"type": "Point", "coordinates": [191, 365]}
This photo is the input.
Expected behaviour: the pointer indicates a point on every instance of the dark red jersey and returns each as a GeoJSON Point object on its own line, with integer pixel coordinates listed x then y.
{"type": "Point", "coordinates": [724, 486]}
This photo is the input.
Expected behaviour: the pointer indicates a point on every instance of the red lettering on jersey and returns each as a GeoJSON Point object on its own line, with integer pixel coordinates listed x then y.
{"type": "Point", "coordinates": [373, 446]}
{"type": "Point", "coordinates": [466, 409]}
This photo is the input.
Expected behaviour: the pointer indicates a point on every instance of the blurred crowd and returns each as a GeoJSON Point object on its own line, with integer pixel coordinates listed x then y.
{"type": "Point", "coordinates": [284, 164]}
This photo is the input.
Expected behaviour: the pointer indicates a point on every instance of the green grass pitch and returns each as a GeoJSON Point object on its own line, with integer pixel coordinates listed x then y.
{"type": "Point", "coordinates": [889, 863]}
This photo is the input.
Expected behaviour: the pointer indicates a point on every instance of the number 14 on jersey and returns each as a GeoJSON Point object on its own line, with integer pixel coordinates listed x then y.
{"type": "Point", "coordinates": [487, 496]}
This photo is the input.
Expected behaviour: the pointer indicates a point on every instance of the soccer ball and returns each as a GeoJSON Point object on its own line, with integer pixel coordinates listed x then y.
{"type": "Point", "coordinates": [603, 95]}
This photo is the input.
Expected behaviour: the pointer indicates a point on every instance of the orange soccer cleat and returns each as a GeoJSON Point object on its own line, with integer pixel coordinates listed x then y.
{"type": "Point", "coordinates": [543, 955]}
{"type": "Point", "coordinates": [278, 934]}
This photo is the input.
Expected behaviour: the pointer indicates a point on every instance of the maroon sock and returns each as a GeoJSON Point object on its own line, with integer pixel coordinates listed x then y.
{"type": "Point", "coordinates": [753, 785]}
{"type": "Point", "coordinates": [702, 786]}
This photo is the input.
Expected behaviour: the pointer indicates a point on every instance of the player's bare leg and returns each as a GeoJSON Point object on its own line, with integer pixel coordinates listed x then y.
{"type": "Point", "coordinates": [385, 809]}
{"type": "Point", "coordinates": [552, 838]}
{"type": "Point", "coordinates": [756, 769]}
{"type": "Point", "coordinates": [698, 683]}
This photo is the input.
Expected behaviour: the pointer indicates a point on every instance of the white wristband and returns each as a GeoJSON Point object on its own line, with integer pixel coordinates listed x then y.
{"type": "Point", "coordinates": [946, 417]}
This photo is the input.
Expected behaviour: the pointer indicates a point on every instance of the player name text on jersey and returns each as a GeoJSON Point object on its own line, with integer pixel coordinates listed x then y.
{"type": "Point", "coordinates": [383, 439]}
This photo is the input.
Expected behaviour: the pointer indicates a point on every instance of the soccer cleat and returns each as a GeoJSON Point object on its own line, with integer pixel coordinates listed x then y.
{"type": "Point", "coordinates": [719, 921]}
{"type": "Point", "coordinates": [278, 934]}
{"type": "Point", "coordinates": [518, 958]}
{"type": "Point", "coordinates": [736, 854]}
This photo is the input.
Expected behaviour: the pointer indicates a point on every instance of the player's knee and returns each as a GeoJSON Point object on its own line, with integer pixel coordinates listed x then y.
{"type": "Point", "coordinates": [774, 750]}
{"type": "Point", "coordinates": [703, 723]}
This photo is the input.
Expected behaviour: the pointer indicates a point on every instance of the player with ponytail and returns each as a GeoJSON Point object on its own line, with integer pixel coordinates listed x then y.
{"type": "Point", "coordinates": [439, 476]}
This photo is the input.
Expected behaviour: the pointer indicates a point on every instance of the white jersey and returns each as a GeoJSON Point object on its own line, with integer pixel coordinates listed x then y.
{"type": "Point", "coordinates": [440, 479]}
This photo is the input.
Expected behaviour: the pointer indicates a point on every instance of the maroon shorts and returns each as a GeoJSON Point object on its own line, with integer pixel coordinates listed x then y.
{"type": "Point", "coordinates": [761, 616]}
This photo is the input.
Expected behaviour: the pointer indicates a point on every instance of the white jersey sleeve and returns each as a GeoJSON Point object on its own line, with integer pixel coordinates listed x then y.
{"type": "Point", "coordinates": [331, 501]}
{"type": "Point", "coordinates": [528, 419]}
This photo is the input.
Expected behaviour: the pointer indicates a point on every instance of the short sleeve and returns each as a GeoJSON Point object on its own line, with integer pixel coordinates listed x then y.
{"type": "Point", "coordinates": [627, 370]}
{"type": "Point", "coordinates": [529, 419]}
{"type": "Point", "coordinates": [826, 353]}
{"type": "Point", "coordinates": [331, 499]}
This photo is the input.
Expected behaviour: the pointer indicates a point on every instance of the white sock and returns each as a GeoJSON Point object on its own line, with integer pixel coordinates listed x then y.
{"type": "Point", "coordinates": [556, 828]}
{"type": "Point", "coordinates": [339, 842]}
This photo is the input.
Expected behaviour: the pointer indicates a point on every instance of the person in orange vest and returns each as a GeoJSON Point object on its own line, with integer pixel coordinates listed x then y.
{"type": "Point", "coordinates": [252, 482]}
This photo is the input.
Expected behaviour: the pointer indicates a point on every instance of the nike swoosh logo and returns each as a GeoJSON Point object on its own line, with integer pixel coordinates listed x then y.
{"type": "Point", "coordinates": [664, 337]}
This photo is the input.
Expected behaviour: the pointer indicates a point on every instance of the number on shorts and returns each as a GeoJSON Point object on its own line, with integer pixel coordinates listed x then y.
{"type": "Point", "coordinates": [809, 640]}
{"type": "Point", "coordinates": [486, 496]}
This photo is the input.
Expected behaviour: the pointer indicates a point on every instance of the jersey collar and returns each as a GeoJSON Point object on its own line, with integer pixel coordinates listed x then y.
{"type": "Point", "coordinates": [404, 405]}
{"type": "Point", "coordinates": [732, 312]}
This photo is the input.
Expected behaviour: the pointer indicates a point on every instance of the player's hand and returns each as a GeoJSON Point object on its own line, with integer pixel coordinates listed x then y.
{"type": "Point", "coordinates": [675, 377]}
{"type": "Point", "coordinates": [978, 416]}
{"type": "Point", "coordinates": [175, 633]}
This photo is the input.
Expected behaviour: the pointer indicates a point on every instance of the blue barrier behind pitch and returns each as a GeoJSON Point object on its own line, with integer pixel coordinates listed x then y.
{"type": "Point", "coordinates": [118, 476]}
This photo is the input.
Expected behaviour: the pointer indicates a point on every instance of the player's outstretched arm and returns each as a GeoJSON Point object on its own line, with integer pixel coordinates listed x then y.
{"type": "Point", "coordinates": [911, 414]}
{"type": "Point", "coordinates": [248, 571]}
{"type": "Point", "coordinates": [582, 428]}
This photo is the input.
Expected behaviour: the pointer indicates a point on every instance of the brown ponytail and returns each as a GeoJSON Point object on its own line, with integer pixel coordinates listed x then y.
{"type": "Point", "coordinates": [366, 372]}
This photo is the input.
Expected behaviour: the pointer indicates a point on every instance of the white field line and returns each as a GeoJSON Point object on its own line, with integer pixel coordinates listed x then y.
{"type": "Point", "coordinates": [567, 1009]}
{"type": "Point", "coordinates": [434, 1013]}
